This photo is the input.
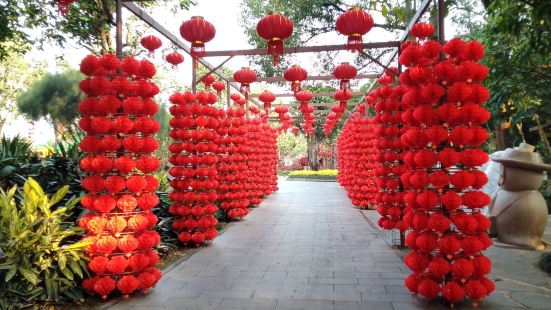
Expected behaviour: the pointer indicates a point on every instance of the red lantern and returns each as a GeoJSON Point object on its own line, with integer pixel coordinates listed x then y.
{"type": "Point", "coordinates": [63, 6]}
{"type": "Point", "coordinates": [245, 76]}
{"type": "Point", "coordinates": [198, 31]}
{"type": "Point", "coordinates": [174, 59]}
{"type": "Point", "coordinates": [295, 75]}
{"type": "Point", "coordinates": [345, 72]}
{"type": "Point", "coordinates": [275, 28]}
{"type": "Point", "coordinates": [207, 80]}
{"type": "Point", "coordinates": [354, 23]}
{"type": "Point", "coordinates": [151, 43]}
{"type": "Point", "coordinates": [219, 87]}
{"type": "Point", "coordinates": [267, 97]}
{"type": "Point", "coordinates": [422, 30]}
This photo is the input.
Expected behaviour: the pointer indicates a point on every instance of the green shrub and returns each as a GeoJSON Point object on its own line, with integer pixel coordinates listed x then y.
{"type": "Point", "coordinates": [41, 265]}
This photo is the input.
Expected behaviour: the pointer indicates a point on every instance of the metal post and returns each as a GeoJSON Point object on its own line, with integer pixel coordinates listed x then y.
{"type": "Point", "coordinates": [228, 99]}
{"type": "Point", "coordinates": [193, 76]}
{"type": "Point", "coordinates": [118, 25]}
{"type": "Point", "coordinates": [440, 15]}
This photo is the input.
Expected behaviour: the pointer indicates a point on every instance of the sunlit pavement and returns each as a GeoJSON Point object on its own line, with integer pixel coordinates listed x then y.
{"type": "Point", "coordinates": [305, 247]}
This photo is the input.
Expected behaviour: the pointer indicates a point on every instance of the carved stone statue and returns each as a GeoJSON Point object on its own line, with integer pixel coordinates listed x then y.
{"type": "Point", "coordinates": [518, 211]}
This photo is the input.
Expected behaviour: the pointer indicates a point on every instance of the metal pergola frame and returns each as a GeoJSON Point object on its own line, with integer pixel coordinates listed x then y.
{"type": "Point", "coordinates": [230, 83]}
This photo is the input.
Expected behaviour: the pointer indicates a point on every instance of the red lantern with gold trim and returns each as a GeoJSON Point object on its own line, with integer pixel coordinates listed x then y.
{"type": "Point", "coordinates": [354, 23]}
{"type": "Point", "coordinates": [245, 76]}
{"type": "Point", "coordinates": [151, 43]}
{"type": "Point", "coordinates": [197, 31]}
{"type": "Point", "coordinates": [345, 72]}
{"type": "Point", "coordinates": [295, 75]}
{"type": "Point", "coordinates": [267, 97]}
{"type": "Point", "coordinates": [275, 28]}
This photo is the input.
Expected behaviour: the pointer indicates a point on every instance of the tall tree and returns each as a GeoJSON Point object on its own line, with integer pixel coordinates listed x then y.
{"type": "Point", "coordinates": [517, 36]}
{"type": "Point", "coordinates": [15, 75]}
{"type": "Point", "coordinates": [54, 97]}
{"type": "Point", "coordinates": [88, 22]}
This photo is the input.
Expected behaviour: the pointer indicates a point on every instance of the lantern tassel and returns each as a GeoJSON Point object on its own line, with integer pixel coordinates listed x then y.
{"type": "Point", "coordinates": [345, 84]}
{"type": "Point", "coordinates": [295, 86]}
{"type": "Point", "coordinates": [275, 48]}
{"type": "Point", "coordinates": [355, 42]}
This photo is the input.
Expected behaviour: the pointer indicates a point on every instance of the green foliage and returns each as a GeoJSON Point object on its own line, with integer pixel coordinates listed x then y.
{"type": "Point", "coordinates": [40, 266]}
{"type": "Point", "coordinates": [55, 96]}
{"type": "Point", "coordinates": [16, 74]}
{"type": "Point", "coordinates": [87, 23]}
{"type": "Point", "coordinates": [289, 145]}
{"type": "Point", "coordinates": [517, 37]}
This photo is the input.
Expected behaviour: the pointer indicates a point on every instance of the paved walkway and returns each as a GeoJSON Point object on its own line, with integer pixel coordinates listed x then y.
{"type": "Point", "coordinates": [306, 247]}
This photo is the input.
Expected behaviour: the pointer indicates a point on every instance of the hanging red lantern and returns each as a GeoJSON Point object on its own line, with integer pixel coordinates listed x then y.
{"type": "Point", "coordinates": [207, 80]}
{"type": "Point", "coordinates": [275, 28]}
{"type": "Point", "coordinates": [174, 59]}
{"type": "Point", "coordinates": [267, 97]}
{"type": "Point", "coordinates": [422, 30]}
{"type": "Point", "coordinates": [198, 31]}
{"type": "Point", "coordinates": [151, 43]}
{"type": "Point", "coordinates": [218, 86]}
{"type": "Point", "coordinates": [245, 76]}
{"type": "Point", "coordinates": [63, 6]}
{"type": "Point", "coordinates": [354, 23]}
{"type": "Point", "coordinates": [345, 72]}
{"type": "Point", "coordinates": [295, 75]}
{"type": "Point", "coordinates": [342, 95]}
{"type": "Point", "coordinates": [295, 131]}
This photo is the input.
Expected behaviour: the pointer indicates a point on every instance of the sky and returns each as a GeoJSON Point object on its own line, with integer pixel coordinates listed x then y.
{"type": "Point", "coordinates": [229, 35]}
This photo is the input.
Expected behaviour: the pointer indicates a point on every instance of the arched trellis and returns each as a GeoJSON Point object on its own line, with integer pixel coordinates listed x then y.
{"type": "Point", "coordinates": [230, 82]}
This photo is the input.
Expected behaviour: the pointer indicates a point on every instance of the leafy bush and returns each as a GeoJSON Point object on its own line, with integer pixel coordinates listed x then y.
{"type": "Point", "coordinates": [311, 174]}
{"type": "Point", "coordinates": [40, 265]}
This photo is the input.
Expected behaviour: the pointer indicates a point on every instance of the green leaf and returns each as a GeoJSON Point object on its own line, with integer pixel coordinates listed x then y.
{"type": "Point", "coordinates": [68, 273]}
{"type": "Point", "coordinates": [62, 262]}
{"type": "Point", "coordinates": [29, 274]}
{"type": "Point", "coordinates": [11, 273]}
{"type": "Point", "coordinates": [6, 171]}
{"type": "Point", "coordinates": [58, 195]}
{"type": "Point", "coordinates": [76, 268]}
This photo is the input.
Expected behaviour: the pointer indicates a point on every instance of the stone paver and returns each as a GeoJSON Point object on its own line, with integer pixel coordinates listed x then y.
{"type": "Point", "coordinates": [306, 247]}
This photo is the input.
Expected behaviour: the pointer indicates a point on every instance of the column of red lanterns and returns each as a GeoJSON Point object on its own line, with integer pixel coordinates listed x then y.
{"type": "Point", "coordinates": [443, 115]}
{"type": "Point", "coordinates": [386, 103]}
{"type": "Point", "coordinates": [357, 159]}
{"type": "Point", "coordinates": [233, 165]}
{"type": "Point", "coordinates": [116, 118]}
{"type": "Point", "coordinates": [194, 158]}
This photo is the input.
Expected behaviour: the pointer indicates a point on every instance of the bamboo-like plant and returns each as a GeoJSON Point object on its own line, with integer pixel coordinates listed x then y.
{"type": "Point", "coordinates": [40, 264]}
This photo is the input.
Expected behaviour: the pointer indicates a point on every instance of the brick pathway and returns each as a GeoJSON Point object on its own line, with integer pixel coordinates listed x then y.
{"type": "Point", "coordinates": [306, 247]}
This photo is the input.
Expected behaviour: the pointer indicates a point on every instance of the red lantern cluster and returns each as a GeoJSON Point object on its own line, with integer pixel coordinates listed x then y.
{"type": "Point", "coordinates": [357, 160]}
{"type": "Point", "coordinates": [275, 28]}
{"type": "Point", "coordinates": [194, 158]}
{"type": "Point", "coordinates": [197, 31]}
{"type": "Point", "coordinates": [386, 102]}
{"type": "Point", "coordinates": [295, 75]}
{"type": "Point", "coordinates": [232, 167]}
{"type": "Point", "coordinates": [443, 115]}
{"type": "Point", "coordinates": [261, 143]}
{"type": "Point", "coordinates": [304, 97]}
{"type": "Point", "coordinates": [337, 111]}
{"type": "Point", "coordinates": [284, 118]}
{"type": "Point", "coordinates": [117, 120]}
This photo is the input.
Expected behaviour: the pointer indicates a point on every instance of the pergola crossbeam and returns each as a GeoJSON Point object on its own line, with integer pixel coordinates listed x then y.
{"type": "Point", "coordinates": [324, 94]}
{"type": "Point", "coordinates": [273, 79]}
{"type": "Point", "coordinates": [141, 14]}
{"type": "Point", "coordinates": [301, 49]}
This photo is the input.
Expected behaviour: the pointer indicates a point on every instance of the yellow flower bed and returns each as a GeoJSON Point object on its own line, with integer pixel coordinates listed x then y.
{"type": "Point", "coordinates": [310, 174]}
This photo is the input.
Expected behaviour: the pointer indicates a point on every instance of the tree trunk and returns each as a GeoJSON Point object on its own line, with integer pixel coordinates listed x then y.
{"type": "Point", "coordinates": [313, 149]}
{"type": "Point", "coordinates": [2, 123]}
{"type": "Point", "coordinates": [502, 135]}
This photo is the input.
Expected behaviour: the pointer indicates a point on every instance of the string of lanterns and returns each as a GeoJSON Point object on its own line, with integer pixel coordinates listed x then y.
{"type": "Point", "coordinates": [116, 118]}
